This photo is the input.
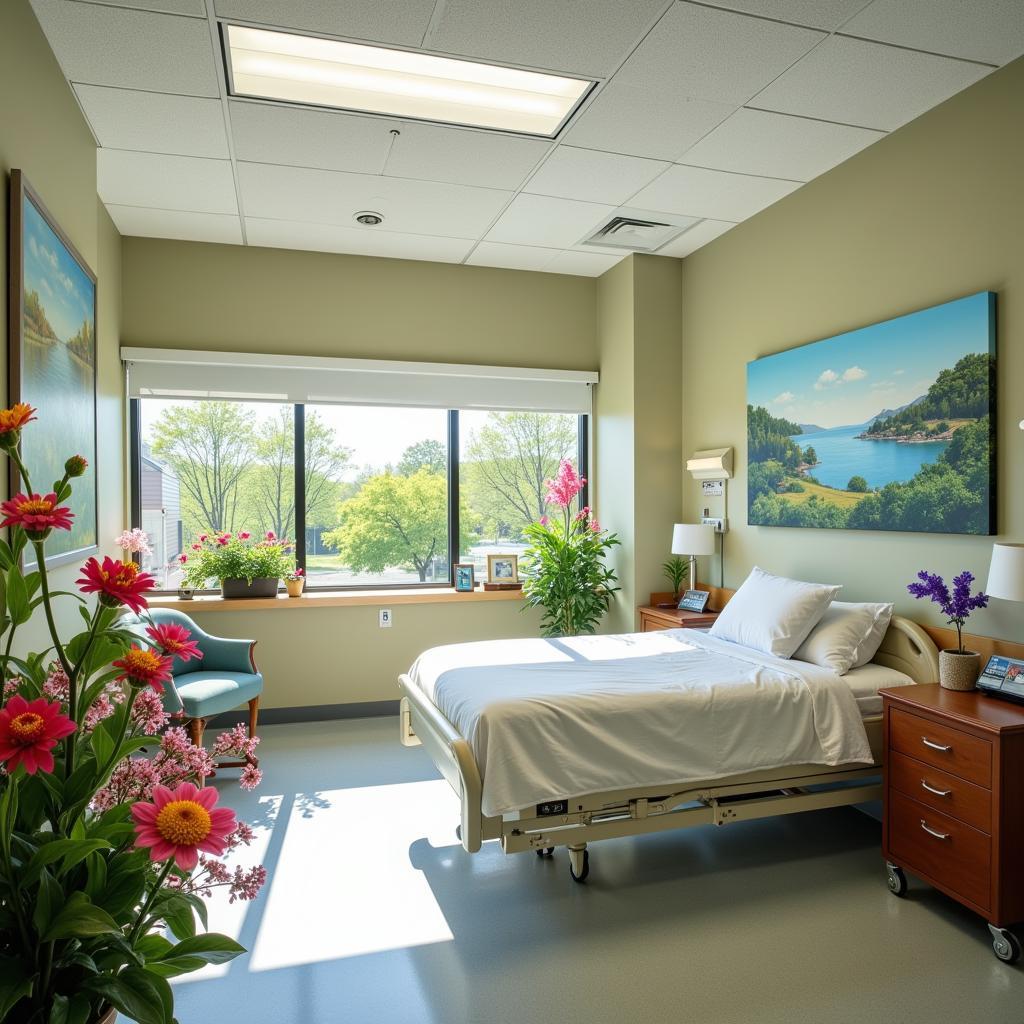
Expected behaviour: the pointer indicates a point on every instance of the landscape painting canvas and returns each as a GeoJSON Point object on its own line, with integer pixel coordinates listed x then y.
{"type": "Point", "coordinates": [890, 427]}
{"type": "Point", "coordinates": [52, 361]}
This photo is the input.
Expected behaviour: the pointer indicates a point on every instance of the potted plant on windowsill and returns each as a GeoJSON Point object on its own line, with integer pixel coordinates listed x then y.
{"type": "Point", "coordinates": [958, 669]}
{"type": "Point", "coordinates": [294, 581]}
{"type": "Point", "coordinates": [242, 565]}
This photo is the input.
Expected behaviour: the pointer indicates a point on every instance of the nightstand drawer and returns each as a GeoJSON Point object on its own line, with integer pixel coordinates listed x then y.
{"type": "Point", "coordinates": [965, 756]}
{"type": "Point", "coordinates": [947, 851]}
{"type": "Point", "coordinates": [941, 791]}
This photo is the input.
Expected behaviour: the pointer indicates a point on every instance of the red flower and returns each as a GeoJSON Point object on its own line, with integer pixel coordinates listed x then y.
{"type": "Point", "coordinates": [143, 667]}
{"type": "Point", "coordinates": [174, 640]}
{"type": "Point", "coordinates": [182, 822]}
{"type": "Point", "coordinates": [116, 582]}
{"type": "Point", "coordinates": [37, 514]}
{"type": "Point", "coordinates": [270, 535]}
{"type": "Point", "coordinates": [244, 535]}
{"type": "Point", "coordinates": [29, 732]}
{"type": "Point", "coordinates": [11, 422]}
{"type": "Point", "coordinates": [182, 559]}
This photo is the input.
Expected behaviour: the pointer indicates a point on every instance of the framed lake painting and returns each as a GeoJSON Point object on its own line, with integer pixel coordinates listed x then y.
{"type": "Point", "coordinates": [890, 427]}
{"type": "Point", "coordinates": [52, 361]}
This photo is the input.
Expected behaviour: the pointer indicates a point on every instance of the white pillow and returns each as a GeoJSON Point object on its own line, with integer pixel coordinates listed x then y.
{"type": "Point", "coordinates": [773, 614]}
{"type": "Point", "coordinates": [847, 636]}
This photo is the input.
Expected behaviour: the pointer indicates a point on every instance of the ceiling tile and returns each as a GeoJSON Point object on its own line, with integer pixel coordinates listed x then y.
{"type": "Point", "coordinates": [778, 145]}
{"type": "Point", "coordinates": [334, 197]}
{"type": "Point", "coordinates": [584, 264]}
{"type": "Point", "coordinates": [195, 8]}
{"type": "Point", "coordinates": [384, 21]}
{"type": "Point", "coordinates": [867, 84]}
{"type": "Point", "coordinates": [511, 257]}
{"type": "Point", "coordinates": [543, 34]}
{"type": "Point", "coordinates": [824, 14]}
{"type": "Point", "coordinates": [592, 176]}
{"type": "Point", "coordinates": [985, 30]}
{"type": "Point", "coordinates": [655, 123]}
{"type": "Point", "coordinates": [463, 156]}
{"type": "Point", "coordinates": [698, 192]}
{"type": "Point", "coordinates": [192, 227]}
{"type": "Point", "coordinates": [165, 182]}
{"type": "Point", "coordinates": [709, 54]}
{"type": "Point", "coordinates": [542, 220]}
{"type": "Point", "coordinates": [273, 134]}
{"type": "Point", "coordinates": [155, 122]}
{"type": "Point", "coordinates": [282, 234]}
{"type": "Point", "coordinates": [690, 241]}
{"type": "Point", "coordinates": [129, 49]}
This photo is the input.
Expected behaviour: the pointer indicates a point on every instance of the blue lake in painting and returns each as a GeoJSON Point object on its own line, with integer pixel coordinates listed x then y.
{"type": "Point", "coordinates": [841, 455]}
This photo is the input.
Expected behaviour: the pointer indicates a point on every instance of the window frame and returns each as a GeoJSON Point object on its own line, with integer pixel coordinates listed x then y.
{"type": "Point", "coordinates": [299, 470]}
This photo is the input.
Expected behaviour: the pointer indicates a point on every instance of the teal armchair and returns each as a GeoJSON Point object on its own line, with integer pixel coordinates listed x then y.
{"type": "Point", "coordinates": [223, 679]}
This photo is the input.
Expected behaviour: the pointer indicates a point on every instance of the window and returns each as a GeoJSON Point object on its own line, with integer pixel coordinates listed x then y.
{"type": "Point", "coordinates": [378, 483]}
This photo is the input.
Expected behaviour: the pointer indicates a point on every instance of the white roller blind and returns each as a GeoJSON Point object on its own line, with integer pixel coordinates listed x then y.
{"type": "Point", "coordinates": [174, 373]}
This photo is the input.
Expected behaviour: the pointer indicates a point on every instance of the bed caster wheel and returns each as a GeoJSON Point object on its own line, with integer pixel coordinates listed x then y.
{"type": "Point", "coordinates": [547, 851]}
{"type": "Point", "coordinates": [579, 865]}
{"type": "Point", "coordinates": [896, 880]}
{"type": "Point", "coordinates": [1005, 944]}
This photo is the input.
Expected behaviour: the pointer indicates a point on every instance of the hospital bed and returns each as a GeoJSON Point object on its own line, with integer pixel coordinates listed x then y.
{"type": "Point", "coordinates": [906, 655]}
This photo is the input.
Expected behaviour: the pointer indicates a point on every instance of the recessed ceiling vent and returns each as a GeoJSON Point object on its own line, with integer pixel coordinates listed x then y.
{"type": "Point", "coordinates": [634, 234]}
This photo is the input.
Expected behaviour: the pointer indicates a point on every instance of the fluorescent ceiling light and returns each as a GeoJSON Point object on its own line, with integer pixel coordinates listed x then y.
{"type": "Point", "coordinates": [352, 76]}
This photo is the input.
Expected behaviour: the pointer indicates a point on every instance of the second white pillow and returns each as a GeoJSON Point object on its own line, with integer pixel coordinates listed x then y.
{"type": "Point", "coordinates": [847, 636]}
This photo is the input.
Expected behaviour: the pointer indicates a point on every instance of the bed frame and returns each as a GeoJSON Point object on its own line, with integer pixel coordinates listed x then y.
{"type": "Point", "coordinates": [575, 822]}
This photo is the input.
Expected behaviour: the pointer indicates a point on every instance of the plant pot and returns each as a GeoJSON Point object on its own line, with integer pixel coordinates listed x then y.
{"type": "Point", "coordinates": [294, 587]}
{"type": "Point", "coordinates": [959, 671]}
{"type": "Point", "coordinates": [108, 1017]}
{"type": "Point", "coordinates": [260, 587]}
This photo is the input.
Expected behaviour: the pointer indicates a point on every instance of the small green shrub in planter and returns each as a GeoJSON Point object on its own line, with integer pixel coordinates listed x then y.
{"type": "Point", "coordinates": [244, 566]}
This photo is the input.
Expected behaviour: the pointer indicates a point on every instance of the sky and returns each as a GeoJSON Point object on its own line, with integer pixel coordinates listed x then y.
{"type": "Point", "coordinates": [850, 378]}
{"type": "Point", "coordinates": [65, 290]}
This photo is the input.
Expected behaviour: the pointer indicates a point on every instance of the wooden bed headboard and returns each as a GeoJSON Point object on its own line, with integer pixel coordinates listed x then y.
{"type": "Point", "coordinates": [907, 648]}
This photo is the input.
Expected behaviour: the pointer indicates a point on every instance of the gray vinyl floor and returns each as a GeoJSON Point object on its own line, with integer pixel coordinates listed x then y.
{"type": "Point", "coordinates": [373, 914]}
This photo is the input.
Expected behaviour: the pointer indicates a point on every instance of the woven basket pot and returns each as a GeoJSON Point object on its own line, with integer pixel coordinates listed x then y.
{"type": "Point", "coordinates": [959, 671]}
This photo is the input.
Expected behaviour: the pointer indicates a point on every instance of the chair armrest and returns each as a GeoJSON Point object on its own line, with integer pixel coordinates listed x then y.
{"type": "Point", "coordinates": [227, 655]}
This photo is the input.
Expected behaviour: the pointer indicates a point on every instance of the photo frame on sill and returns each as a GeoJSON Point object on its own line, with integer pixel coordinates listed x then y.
{"type": "Point", "coordinates": [465, 577]}
{"type": "Point", "coordinates": [502, 568]}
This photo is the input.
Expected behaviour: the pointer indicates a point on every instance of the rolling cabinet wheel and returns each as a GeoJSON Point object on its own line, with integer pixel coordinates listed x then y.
{"type": "Point", "coordinates": [896, 880]}
{"type": "Point", "coordinates": [1005, 944]}
{"type": "Point", "coordinates": [579, 865]}
{"type": "Point", "coordinates": [546, 851]}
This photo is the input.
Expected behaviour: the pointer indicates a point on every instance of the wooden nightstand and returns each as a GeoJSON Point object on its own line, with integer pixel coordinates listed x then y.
{"type": "Point", "coordinates": [672, 618]}
{"type": "Point", "coordinates": [954, 801]}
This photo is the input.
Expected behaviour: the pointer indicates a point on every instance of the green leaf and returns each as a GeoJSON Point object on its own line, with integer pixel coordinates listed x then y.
{"type": "Point", "coordinates": [73, 1010]}
{"type": "Point", "coordinates": [136, 993]}
{"type": "Point", "coordinates": [211, 947]}
{"type": "Point", "coordinates": [102, 744]}
{"type": "Point", "coordinates": [16, 981]}
{"type": "Point", "coordinates": [179, 916]}
{"type": "Point", "coordinates": [73, 850]}
{"type": "Point", "coordinates": [79, 919]}
{"type": "Point", "coordinates": [18, 603]}
{"type": "Point", "coordinates": [49, 900]}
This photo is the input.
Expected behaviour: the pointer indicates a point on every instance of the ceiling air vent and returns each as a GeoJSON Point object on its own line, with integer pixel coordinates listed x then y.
{"type": "Point", "coordinates": [634, 234]}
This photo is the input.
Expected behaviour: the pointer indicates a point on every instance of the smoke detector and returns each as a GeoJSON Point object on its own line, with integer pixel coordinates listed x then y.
{"type": "Point", "coordinates": [635, 234]}
{"type": "Point", "coordinates": [369, 218]}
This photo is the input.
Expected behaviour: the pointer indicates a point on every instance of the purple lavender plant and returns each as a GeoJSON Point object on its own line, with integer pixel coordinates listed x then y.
{"type": "Point", "coordinates": [957, 606]}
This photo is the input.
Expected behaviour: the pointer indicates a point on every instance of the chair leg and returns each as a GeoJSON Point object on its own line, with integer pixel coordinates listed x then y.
{"type": "Point", "coordinates": [196, 728]}
{"type": "Point", "coordinates": [254, 713]}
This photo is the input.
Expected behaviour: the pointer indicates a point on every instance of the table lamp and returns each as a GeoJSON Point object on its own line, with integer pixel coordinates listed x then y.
{"type": "Point", "coordinates": [1006, 573]}
{"type": "Point", "coordinates": [693, 539]}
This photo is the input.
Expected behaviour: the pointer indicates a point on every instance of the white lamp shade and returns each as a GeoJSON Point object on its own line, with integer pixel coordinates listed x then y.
{"type": "Point", "coordinates": [693, 539]}
{"type": "Point", "coordinates": [1006, 573]}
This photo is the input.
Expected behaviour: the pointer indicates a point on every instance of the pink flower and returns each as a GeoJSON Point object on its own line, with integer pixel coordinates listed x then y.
{"type": "Point", "coordinates": [565, 486]}
{"type": "Point", "coordinates": [203, 538]}
{"type": "Point", "coordinates": [251, 777]}
{"type": "Point", "coordinates": [182, 822]}
{"type": "Point", "coordinates": [30, 731]}
{"type": "Point", "coordinates": [134, 540]}
{"type": "Point", "coordinates": [116, 583]}
{"type": "Point", "coordinates": [544, 520]}
{"type": "Point", "coordinates": [595, 526]}
{"type": "Point", "coordinates": [182, 559]}
{"type": "Point", "coordinates": [223, 539]}
{"type": "Point", "coordinates": [582, 514]}
{"type": "Point", "coordinates": [173, 639]}
{"type": "Point", "coordinates": [197, 547]}
{"type": "Point", "coordinates": [270, 535]}
{"type": "Point", "coordinates": [36, 514]}
{"type": "Point", "coordinates": [244, 535]}
{"type": "Point", "coordinates": [148, 712]}
{"type": "Point", "coordinates": [12, 685]}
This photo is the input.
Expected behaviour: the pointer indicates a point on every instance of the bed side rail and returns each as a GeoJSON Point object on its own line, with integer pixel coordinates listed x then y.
{"type": "Point", "coordinates": [421, 721]}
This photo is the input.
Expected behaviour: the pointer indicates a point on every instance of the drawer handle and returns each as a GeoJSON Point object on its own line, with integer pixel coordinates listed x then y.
{"type": "Point", "coordinates": [932, 832]}
{"type": "Point", "coordinates": [935, 746]}
{"type": "Point", "coordinates": [937, 792]}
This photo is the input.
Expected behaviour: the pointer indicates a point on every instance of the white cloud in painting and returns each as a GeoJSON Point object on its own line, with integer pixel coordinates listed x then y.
{"type": "Point", "coordinates": [896, 373]}
{"type": "Point", "coordinates": [826, 379]}
{"type": "Point", "coordinates": [853, 373]}
{"type": "Point", "coordinates": [784, 399]}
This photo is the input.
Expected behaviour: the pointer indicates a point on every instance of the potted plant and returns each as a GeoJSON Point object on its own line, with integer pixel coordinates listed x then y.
{"type": "Point", "coordinates": [244, 566]}
{"type": "Point", "coordinates": [294, 581]}
{"type": "Point", "coordinates": [676, 570]}
{"type": "Point", "coordinates": [105, 855]}
{"type": "Point", "coordinates": [563, 570]}
{"type": "Point", "coordinates": [958, 669]}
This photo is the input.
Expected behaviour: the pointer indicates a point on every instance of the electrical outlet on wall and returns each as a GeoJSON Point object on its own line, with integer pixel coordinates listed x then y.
{"type": "Point", "coordinates": [384, 618]}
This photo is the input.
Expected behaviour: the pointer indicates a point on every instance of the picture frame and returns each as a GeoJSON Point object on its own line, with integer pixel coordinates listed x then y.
{"type": "Point", "coordinates": [502, 568]}
{"type": "Point", "coordinates": [693, 601]}
{"type": "Point", "coordinates": [52, 356]}
{"type": "Point", "coordinates": [465, 577]}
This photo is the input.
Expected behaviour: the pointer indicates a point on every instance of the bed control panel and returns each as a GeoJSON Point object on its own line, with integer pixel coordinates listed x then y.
{"type": "Point", "coordinates": [546, 810]}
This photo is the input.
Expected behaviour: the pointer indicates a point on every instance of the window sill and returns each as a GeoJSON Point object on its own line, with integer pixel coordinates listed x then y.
{"type": "Point", "coordinates": [333, 599]}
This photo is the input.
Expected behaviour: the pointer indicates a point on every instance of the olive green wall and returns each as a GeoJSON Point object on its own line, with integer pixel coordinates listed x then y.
{"type": "Point", "coordinates": [42, 132]}
{"type": "Point", "coordinates": [933, 212]}
{"type": "Point", "coordinates": [194, 295]}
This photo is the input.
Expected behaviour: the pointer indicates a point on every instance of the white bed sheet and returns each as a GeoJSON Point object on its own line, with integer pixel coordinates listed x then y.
{"type": "Point", "coordinates": [866, 681]}
{"type": "Point", "coordinates": [550, 719]}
